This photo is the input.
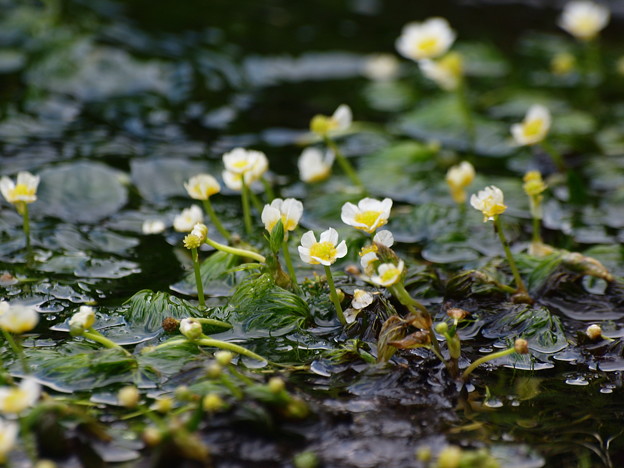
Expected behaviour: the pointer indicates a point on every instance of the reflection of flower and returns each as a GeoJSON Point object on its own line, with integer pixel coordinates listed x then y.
{"type": "Point", "coordinates": [289, 211]}
{"type": "Point", "coordinates": [17, 318]}
{"type": "Point", "coordinates": [202, 186]}
{"type": "Point", "coordinates": [340, 121]}
{"type": "Point", "coordinates": [24, 190]}
{"type": "Point", "coordinates": [326, 251]}
{"type": "Point", "coordinates": [489, 201]}
{"type": "Point", "coordinates": [242, 163]}
{"type": "Point", "coordinates": [188, 218]}
{"type": "Point", "coordinates": [313, 167]}
{"type": "Point", "coordinates": [429, 39]}
{"type": "Point", "coordinates": [368, 215]}
{"type": "Point", "coordinates": [584, 20]}
{"type": "Point", "coordinates": [446, 72]}
{"type": "Point", "coordinates": [458, 178]}
{"type": "Point", "coordinates": [14, 400]}
{"type": "Point", "coordinates": [388, 274]}
{"type": "Point", "coordinates": [534, 127]}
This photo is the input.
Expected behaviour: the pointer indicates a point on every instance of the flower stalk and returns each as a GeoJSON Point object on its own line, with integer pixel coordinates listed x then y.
{"type": "Point", "coordinates": [235, 251]}
{"type": "Point", "coordinates": [289, 263]}
{"type": "Point", "coordinates": [344, 164]}
{"type": "Point", "coordinates": [245, 202]}
{"type": "Point", "coordinates": [198, 279]}
{"type": "Point", "coordinates": [520, 347]}
{"type": "Point", "coordinates": [498, 227]}
{"type": "Point", "coordinates": [333, 294]}
{"type": "Point", "coordinates": [215, 220]}
{"type": "Point", "coordinates": [96, 336]}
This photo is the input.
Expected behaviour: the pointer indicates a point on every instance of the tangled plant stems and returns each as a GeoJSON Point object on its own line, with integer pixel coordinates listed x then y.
{"type": "Point", "coordinates": [81, 324]}
{"type": "Point", "coordinates": [520, 346]}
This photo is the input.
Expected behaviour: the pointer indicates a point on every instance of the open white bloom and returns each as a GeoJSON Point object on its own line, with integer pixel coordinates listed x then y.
{"type": "Point", "coordinates": [447, 71]}
{"type": "Point", "coordinates": [489, 201]}
{"type": "Point", "coordinates": [18, 318]}
{"type": "Point", "coordinates": [8, 437]}
{"type": "Point", "coordinates": [458, 178]}
{"type": "Point", "coordinates": [242, 164]}
{"type": "Point", "coordinates": [83, 319]}
{"type": "Point", "coordinates": [313, 166]}
{"type": "Point", "coordinates": [202, 186]}
{"type": "Point", "coordinates": [361, 299]}
{"type": "Point", "coordinates": [368, 215]}
{"type": "Point", "coordinates": [341, 120]}
{"type": "Point", "coordinates": [325, 252]}
{"type": "Point", "coordinates": [367, 260]}
{"type": "Point", "coordinates": [584, 19]}
{"type": "Point", "coordinates": [289, 211]}
{"type": "Point", "coordinates": [14, 400]}
{"type": "Point", "coordinates": [384, 238]}
{"type": "Point", "coordinates": [388, 274]}
{"type": "Point", "coordinates": [152, 226]}
{"type": "Point", "coordinates": [24, 190]}
{"type": "Point", "coordinates": [188, 218]}
{"type": "Point", "coordinates": [429, 39]}
{"type": "Point", "coordinates": [534, 127]}
{"type": "Point", "coordinates": [381, 67]}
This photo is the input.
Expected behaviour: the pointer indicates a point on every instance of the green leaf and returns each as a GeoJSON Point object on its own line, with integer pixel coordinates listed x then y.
{"type": "Point", "coordinates": [277, 237]}
{"type": "Point", "coordinates": [147, 309]}
{"type": "Point", "coordinates": [218, 276]}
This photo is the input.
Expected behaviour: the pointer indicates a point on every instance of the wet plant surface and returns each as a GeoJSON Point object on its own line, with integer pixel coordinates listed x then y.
{"type": "Point", "coordinates": [116, 105]}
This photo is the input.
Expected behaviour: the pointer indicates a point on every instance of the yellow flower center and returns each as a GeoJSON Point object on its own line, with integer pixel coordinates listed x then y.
{"type": "Point", "coordinates": [369, 219]}
{"type": "Point", "coordinates": [533, 127]}
{"type": "Point", "coordinates": [323, 250]}
{"type": "Point", "coordinates": [491, 208]}
{"type": "Point", "coordinates": [428, 46]}
{"type": "Point", "coordinates": [15, 401]}
{"type": "Point", "coordinates": [368, 249]}
{"type": "Point", "coordinates": [391, 274]}
{"type": "Point", "coordinates": [242, 164]}
{"type": "Point", "coordinates": [289, 224]}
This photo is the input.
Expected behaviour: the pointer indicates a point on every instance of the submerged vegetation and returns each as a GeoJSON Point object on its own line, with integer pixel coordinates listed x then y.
{"type": "Point", "coordinates": [185, 283]}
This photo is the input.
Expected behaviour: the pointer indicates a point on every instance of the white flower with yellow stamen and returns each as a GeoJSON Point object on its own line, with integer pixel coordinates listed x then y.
{"type": "Point", "coordinates": [244, 164]}
{"type": "Point", "coordinates": [368, 215]}
{"type": "Point", "coordinates": [447, 71]}
{"type": "Point", "coordinates": [188, 218]}
{"type": "Point", "coordinates": [381, 67]}
{"type": "Point", "coordinates": [584, 19]}
{"type": "Point", "coordinates": [8, 437]}
{"type": "Point", "coordinates": [534, 127]}
{"type": "Point", "coordinates": [288, 210]}
{"type": "Point", "coordinates": [367, 261]}
{"type": "Point", "coordinates": [18, 318]}
{"type": "Point", "coordinates": [14, 400]}
{"type": "Point", "coordinates": [325, 252]}
{"type": "Point", "coordinates": [388, 274]}
{"type": "Point", "coordinates": [83, 319]}
{"type": "Point", "coordinates": [361, 299]}
{"type": "Point", "coordinates": [458, 178]}
{"type": "Point", "coordinates": [313, 166]}
{"type": "Point", "coordinates": [202, 186]}
{"type": "Point", "coordinates": [341, 120]}
{"type": "Point", "coordinates": [489, 201]}
{"type": "Point", "coordinates": [24, 190]}
{"type": "Point", "coordinates": [429, 39]}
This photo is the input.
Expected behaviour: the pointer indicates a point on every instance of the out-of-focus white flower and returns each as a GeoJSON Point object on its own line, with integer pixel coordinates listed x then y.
{"type": "Point", "coordinates": [8, 437]}
{"type": "Point", "coordinates": [24, 190]}
{"type": "Point", "coordinates": [288, 210]}
{"type": "Point", "coordinates": [534, 127]}
{"type": "Point", "coordinates": [388, 274]}
{"type": "Point", "coordinates": [368, 215]}
{"type": "Point", "coordinates": [191, 328]}
{"type": "Point", "coordinates": [153, 226]}
{"type": "Point", "coordinates": [313, 166]}
{"type": "Point", "coordinates": [583, 19]}
{"type": "Point", "coordinates": [361, 299]}
{"type": "Point", "coordinates": [18, 318]}
{"type": "Point", "coordinates": [325, 252]}
{"type": "Point", "coordinates": [447, 72]}
{"type": "Point", "coordinates": [200, 230]}
{"type": "Point", "coordinates": [384, 238]}
{"type": "Point", "coordinates": [83, 319]}
{"type": "Point", "coordinates": [429, 39]}
{"type": "Point", "coordinates": [188, 218]}
{"type": "Point", "coordinates": [562, 63]}
{"type": "Point", "coordinates": [202, 186]}
{"type": "Point", "coordinates": [243, 164]}
{"type": "Point", "coordinates": [340, 121]}
{"type": "Point", "coordinates": [489, 201]}
{"type": "Point", "coordinates": [381, 67]}
{"type": "Point", "coordinates": [458, 178]}
{"type": "Point", "coordinates": [14, 400]}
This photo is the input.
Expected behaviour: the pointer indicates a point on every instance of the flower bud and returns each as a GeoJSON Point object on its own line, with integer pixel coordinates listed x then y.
{"type": "Point", "coordinates": [457, 314]}
{"type": "Point", "coordinates": [163, 405]}
{"type": "Point", "coordinates": [441, 328]}
{"type": "Point", "coordinates": [183, 393]}
{"type": "Point", "coordinates": [449, 457]}
{"type": "Point", "coordinates": [82, 320]}
{"type": "Point", "coordinates": [152, 436]}
{"type": "Point", "coordinates": [321, 125]}
{"type": "Point", "coordinates": [200, 230]}
{"type": "Point", "coordinates": [191, 241]}
{"type": "Point", "coordinates": [191, 328]}
{"type": "Point", "coordinates": [521, 346]}
{"type": "Point", "coordinates": [594, 332]}
{"type": "Point", "coordinates": [213, 402]}
{"type": "Point", "coordinates": [276, 385]}
{"type": "Point", "coordinates": [128, 396]}
{"type": "Point", "coordinates": [213, 370]}
{"type": "Point", "coordinates": [170, 324]}
{"type": "Point", "coordinates": [224, 357]}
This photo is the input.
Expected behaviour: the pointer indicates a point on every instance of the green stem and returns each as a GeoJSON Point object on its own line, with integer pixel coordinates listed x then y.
{"type": "Point", "coordinates": [486, 358]}
{"type": "Point", "coordinates": [268, 189]}
{"type": "Point", "coordinates": [498, 227]}
{"type": "Point", "coordinates": [345, 164]}
{"type": "Point", "coordinates": [198, 279]}
{"type": "Point", "coordinates": [26, 224]}
{"type": "Point", "coordinates": [215, 220]}
{"type": "Point", "coordinates": [96, 336]}
{"type": "Point", "coordinates": [245, 201]}
{"type": "Point", "coordinates": [214, 322]}
{"type": "Point", "coordinates": [17, 349]}
{"type": "Point", "coordinates": [554, 154]}
{"type": "Point", "coordinates": [289, 264]}
{"type": "Point", "coordinates": [166, 344]}
{"type": "Point", "coordinates": [256, 202]}
{"type": "Point", "coordinates": [229, 347]}
{"type": "Point", "coordinates": [28, 439]}
{"type": "Point", "coordinates": [235, 251]}
{"type": "Point", "coordinates": [464, 106]}
{"type": "Point", "coordinates": [334, 295]}
{"type": "Point", "coordinates": [236, 392]}
{"type": "Point", "coordinates": [537, 236]}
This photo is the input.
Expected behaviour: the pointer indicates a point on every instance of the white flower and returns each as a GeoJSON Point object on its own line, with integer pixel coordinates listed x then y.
{"type": "Point", "coordinates": [244, 164]}
{"type": "Point", "coordinates": [381, 67]}
{"type": "Point", "coordinates": [18, 318]}
{"type": "Point", "coordinates": [191, 328]}
{"type": "Point", "coordinates": [384, 238]}
{"type": "Point", "coordinates": [200, 230]}
{"type": "Point", "coordinates": [14, 400]}
{"type": "Point", "coordinates": [8, 437]}
{"type": "Point", "coordinates": [367, 259]}
{"type": "Point", "coordinates": [83, 319]}
{"type": "Point", "coordinates": [202, 186]}
{"type": "Point", "coordinates": [340, 121]}
{"type": "Point", "coordinates": [326, 251]}
{"type": "Point", "coordinates": [128, 396]}
{"type": "Point", "coordinates": [489, 201]}
{"type": "Point", "coordinates": [388, 274]}
{"type": "Point", "coordinates": [429, 39]}
{"type": "Point", "coordinates": [361, 299]}
{"type": "Point", "coordinates": [186, 221]}
{"type": "Point", "coordinates": [583, 19]}
{"type": "Point", "coordinates": [447, 72]}
{"type": "Point", "coordinates": [153, 226]}
{"type": "Point", "coordinates": [368, 215]}
{"type": "Point", "coordinates": [458, 178]}
{"type": "Point", "coordinates": [313, 167]}
{"type": "Point", "coordinates": [534, 127]}
{"type": "Point", "coordinates": [23, 191]}
{"type": "Point", "coordinates": [289, 211]}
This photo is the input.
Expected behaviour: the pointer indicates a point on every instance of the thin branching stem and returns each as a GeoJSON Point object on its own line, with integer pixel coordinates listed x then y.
{"type": "Point", "coordinates": [334, 295]}
{"type": "Point", "coordinates": [215, 220]}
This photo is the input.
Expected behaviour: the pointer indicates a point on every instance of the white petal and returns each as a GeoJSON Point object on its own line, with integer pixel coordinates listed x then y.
{"type": "Point", "coordinates": [331, 235]}
{"type": "Point", "coordinates": [341, 250]}
{"type": "Point", "coordinates": [343, 117]}
{"type": "Point", "coordinates": [348, 212]}
{"type": "Point", "coordinates": [308, 240]}
{"type": "Point", "coordinates": [384, 237]}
